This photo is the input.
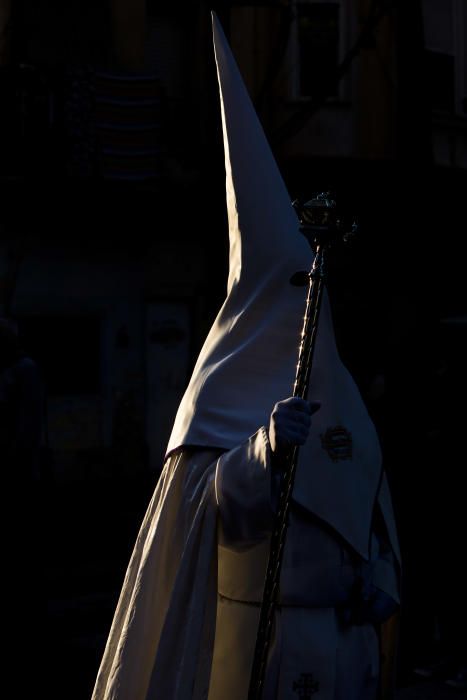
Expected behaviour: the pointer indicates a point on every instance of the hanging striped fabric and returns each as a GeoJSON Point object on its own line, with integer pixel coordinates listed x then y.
{"type": "Point", "coordinates": [128, 126]}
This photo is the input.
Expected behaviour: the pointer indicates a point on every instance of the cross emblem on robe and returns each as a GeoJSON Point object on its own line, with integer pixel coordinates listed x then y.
{"type": "Point", "coordinates": [306, 686]}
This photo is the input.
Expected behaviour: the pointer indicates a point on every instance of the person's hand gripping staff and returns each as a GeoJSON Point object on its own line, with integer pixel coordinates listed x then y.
{"type": "Point", "coordinates": [290, 423]}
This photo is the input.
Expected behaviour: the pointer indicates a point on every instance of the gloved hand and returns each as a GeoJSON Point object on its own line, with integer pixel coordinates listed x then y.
{"type": "Point", "coordinates": [290, 423]}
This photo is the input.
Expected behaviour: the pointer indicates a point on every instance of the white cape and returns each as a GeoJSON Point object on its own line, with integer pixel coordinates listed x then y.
{"type": "Point", "coordinates": [160, 643]}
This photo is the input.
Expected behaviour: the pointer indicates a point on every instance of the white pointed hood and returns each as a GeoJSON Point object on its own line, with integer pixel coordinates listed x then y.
{"type": "Point", "coordinates": [248, 360]}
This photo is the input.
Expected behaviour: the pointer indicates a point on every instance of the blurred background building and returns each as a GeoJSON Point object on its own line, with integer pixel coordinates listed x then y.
{"type": "Point", "coordinates": [113, 237]}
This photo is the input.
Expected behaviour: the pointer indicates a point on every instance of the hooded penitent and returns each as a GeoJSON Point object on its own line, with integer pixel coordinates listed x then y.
{"type": "Point", "coordinates": [164, 636]}
{"type": "Point", "coordinates": [248, 361]}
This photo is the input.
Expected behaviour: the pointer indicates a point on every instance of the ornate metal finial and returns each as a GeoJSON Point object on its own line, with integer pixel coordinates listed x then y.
{"type": "Point", "coordinates": [320, 221]}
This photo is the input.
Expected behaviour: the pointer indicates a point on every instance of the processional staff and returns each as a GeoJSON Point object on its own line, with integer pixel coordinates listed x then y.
{"type": "Point", "coordinates": [321, 226]}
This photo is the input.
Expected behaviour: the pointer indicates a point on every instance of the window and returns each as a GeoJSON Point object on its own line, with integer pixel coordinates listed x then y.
{"type": "Point", "coordinates": [441, 79]}
{"type": "Point", "coordinates": [445, 36]}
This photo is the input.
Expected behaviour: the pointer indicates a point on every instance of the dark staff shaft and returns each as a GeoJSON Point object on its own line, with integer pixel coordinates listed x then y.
{"type": "Point", "coordinates": [279, 533]}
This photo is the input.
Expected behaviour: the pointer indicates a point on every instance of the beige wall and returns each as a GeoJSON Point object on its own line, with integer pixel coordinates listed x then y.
{"type": "Point", "coordinates": [375, 90]}
{"type": "Point", "coordinates": [361, 122]}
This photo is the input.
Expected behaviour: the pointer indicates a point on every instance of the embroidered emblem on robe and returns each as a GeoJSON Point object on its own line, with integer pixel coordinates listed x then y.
{"type": "Point", "coordinates": [306, 686]}
{"type": "Point", "coordinates": [337, 442]}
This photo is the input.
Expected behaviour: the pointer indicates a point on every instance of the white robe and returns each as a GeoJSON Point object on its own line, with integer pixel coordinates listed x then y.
{"type": "Point", "coordinates": [161, 643]}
